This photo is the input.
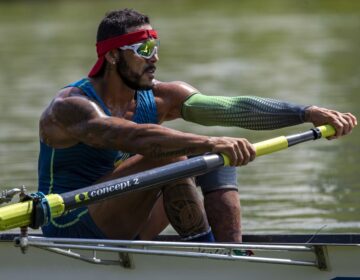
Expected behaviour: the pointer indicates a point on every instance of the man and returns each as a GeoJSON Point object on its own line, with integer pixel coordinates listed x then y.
{"type": "Point", "coordinates": [114, 116]}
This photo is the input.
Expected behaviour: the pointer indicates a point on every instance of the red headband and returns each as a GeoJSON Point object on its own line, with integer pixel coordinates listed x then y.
{"type": "Point", "coordinates": [107, 45]}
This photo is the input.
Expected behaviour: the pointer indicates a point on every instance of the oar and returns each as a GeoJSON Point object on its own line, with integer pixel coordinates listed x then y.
{"type": "Point", "coordinates": [54, 205]}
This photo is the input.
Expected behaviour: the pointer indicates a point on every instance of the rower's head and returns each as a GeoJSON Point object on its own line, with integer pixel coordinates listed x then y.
{"type": "Point", "coordinates": [119, 22]}
{"type": "Point", "coordinates": [127, 44]}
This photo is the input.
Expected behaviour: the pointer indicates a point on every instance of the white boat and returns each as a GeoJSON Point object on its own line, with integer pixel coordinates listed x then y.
{"type": "Point", "coordinates": [335, 257]}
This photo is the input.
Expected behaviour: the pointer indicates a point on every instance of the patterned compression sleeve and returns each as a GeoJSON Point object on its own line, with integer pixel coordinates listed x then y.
{"type": "Point", "coordinates": [242, 111]}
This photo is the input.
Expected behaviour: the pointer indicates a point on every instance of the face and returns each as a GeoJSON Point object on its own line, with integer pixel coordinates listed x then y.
{"type": "Point", "coordinates": [137, 72]}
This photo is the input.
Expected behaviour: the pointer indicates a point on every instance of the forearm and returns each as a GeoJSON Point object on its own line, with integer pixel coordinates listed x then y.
{"type": "Point", "coordinates": [150, 140]}
{"type": "Point", "coordinates": [160, 142]}
{"type": "Point", "coordinates": [243, 111]}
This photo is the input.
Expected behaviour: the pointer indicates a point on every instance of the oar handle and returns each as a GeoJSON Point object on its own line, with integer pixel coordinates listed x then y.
{"type": "Point", "coordinates": [327, 130]}
{"type": "Point", "coordinates": [282, 142]}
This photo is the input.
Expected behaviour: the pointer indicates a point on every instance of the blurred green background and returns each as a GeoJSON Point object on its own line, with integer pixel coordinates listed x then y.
{"type": "Point", "coordinates": [307, 52]}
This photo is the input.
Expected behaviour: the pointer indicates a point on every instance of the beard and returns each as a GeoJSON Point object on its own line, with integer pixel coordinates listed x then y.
{"type": "Point", "coordinates": [130, 78]}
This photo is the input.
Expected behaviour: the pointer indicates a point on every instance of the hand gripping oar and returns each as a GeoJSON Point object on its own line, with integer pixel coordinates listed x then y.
{"type": "Point", "coordinates": [35, 212]}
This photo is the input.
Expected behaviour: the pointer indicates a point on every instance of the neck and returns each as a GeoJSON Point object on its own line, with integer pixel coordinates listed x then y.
{"type": "Point", "coordinates": [113, 90]}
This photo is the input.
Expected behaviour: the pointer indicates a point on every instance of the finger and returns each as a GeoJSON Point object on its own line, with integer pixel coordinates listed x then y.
{"type": "Point", "coordinates": [338, 128]}
{"type": "Point", "coordinates": [245, 152]}
{"type": "Point", "coordinates": [234, 156]}
{"type": "Point", "coordinates": [239, 153]}
{"type": "Point", "coordinates": [349, 122]}
{"type": "Point", "coordinates": [252, 151]}
{"type": "Point", "coordinates": [352, 119]}
{"type": "Point", "coordinates": [345, 124]}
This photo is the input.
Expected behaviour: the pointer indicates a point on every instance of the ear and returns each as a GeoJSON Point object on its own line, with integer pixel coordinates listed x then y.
{"type": "Point", "coordinates": [112, 57]}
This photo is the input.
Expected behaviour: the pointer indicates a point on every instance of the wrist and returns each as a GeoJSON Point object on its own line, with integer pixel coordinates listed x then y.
{"type": "Point", "coordinates": [308, 113]}
{"type": "Point", "coordinates": [210, 144]}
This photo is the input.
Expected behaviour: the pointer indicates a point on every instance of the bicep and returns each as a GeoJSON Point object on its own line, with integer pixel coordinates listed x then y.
{"type": "Point", "coordinates": [87, 123]}
{"type": "Point", "coordinates": [72, 111]}
{"type": "Point", "coordinates": [74, 119]}
{"type": "Point", "coordinates": [170, 98]}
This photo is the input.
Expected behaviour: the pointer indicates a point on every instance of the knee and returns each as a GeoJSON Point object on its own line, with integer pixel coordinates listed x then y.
{"type": "Point", "coordinates": [184, 186]}
{"type": "Point", "coordinates": [223, 178]}
{"type": "Point", "coordinates": [222, 200]}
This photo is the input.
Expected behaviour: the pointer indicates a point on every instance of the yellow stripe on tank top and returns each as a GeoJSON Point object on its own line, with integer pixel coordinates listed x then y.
{"type": "Point", "coordinates": [51, 188]}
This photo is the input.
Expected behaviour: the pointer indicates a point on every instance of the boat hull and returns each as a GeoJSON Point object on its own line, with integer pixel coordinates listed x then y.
{"type": "Point", "coordinates": [342, 260]}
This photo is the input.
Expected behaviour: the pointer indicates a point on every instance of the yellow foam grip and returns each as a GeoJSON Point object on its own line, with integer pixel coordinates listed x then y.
{"type": "Point", "coordinates": [226, 160]}
{"type": "Point", "coordinates": [265, 147]}
{"type": "Point", "coordinates": [271, 145]}
{"type": "Point", "coordinates": [327, 130]}
{"type": "Point", "coordinates": [19, 214]}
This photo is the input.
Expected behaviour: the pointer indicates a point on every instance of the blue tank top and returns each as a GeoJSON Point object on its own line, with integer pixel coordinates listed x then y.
{"type": "Point", "coordinates": [67, 169]}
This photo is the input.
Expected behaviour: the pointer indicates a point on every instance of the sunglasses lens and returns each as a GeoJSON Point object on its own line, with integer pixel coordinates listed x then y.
{"type": "Point", "coordinates": [147, 49]}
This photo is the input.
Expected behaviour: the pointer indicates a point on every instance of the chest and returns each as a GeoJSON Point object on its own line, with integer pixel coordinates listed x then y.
{"type": "Point", "coordinates": [141, 110]}
{"type": "Point", "coordinates": [126, 111]}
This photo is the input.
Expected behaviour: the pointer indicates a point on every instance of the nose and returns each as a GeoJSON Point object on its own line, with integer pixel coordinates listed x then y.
{"type": "Point", "coordinates": [155, 57]}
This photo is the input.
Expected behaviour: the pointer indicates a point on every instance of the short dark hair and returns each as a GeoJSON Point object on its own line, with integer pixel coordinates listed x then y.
{"type": "Point", "coordinates": [118, 22]}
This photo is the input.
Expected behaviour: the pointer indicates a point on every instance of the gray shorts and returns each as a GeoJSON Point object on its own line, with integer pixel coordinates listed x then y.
{"type": "Point", "coordinates": [222, 178]}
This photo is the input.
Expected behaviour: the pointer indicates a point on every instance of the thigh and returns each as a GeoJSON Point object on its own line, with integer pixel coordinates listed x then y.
{"type": "Point", "coordinates": [75, 224]}
{"type": "Point", "coordinates": [124, 216]}
{"type": "Point", "coordinates": [221, 178]}
{"type": "Point", "coordinates": [156, 223]}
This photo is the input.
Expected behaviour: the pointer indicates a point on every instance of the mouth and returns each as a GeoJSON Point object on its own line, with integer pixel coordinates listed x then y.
{"type": "Point", "coordinates": [150, 70]}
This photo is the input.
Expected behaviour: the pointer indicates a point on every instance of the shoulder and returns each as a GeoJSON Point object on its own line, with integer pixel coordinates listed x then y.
{"type": "Point", "coordinates": [68, 106]}
{"type": "Point", "coordinates": [178, 88]}
{"type": "Point", "coordinates": [72, 106]}
{"type": "Point", "coordinates": [70, 91]}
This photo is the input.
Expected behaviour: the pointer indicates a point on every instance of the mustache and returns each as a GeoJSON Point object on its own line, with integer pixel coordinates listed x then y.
{"type": "Point", "coordinates": [150, 68]}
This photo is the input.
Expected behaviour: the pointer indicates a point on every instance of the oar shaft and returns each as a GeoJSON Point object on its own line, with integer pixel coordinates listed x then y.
{"type": "Point", "coordinates": [20, 214]}
{"type": "Point", "coordinates": [143, 180]}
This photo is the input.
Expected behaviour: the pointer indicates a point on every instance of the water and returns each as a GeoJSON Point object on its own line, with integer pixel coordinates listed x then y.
{"type": "Point", "coordinates": [306, 52]}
